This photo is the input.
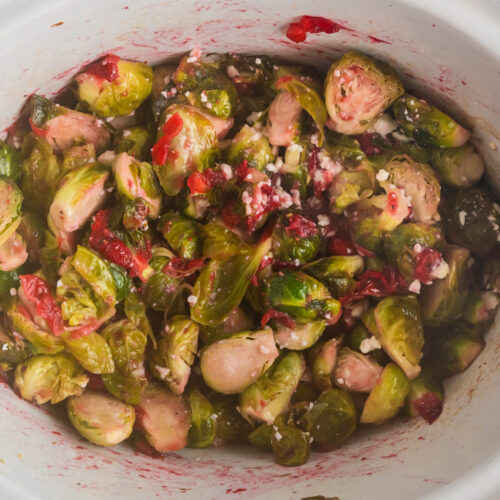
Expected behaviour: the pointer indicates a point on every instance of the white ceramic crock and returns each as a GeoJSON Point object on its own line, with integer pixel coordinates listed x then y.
{"type": "Point", "coordinates": [448, 50]}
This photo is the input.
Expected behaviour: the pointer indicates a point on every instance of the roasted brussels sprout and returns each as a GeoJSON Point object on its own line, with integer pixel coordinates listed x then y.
{"type": "Point", "coordinates": [92, 352]}
{"type": "Point", "coordinates": [330, 420]}
{"type": "Point", "coordinates": [78, 156]}
{"type": "Point", "coordinates": [480, 308]}
{"type": "Point", "coordinates": [230, 426]}
{"type": "Point", "coordinates": [12, 350]}
{"type": "Point", "coordinates": [322, 359]}
{"type": "Point", "coordinates": [358, 89]}
{"type": "Point", "coordinates": [429, 126]}
{"type": "Point", "coordinates": [31, 229]}
{"type": "Point", "coordinates": [10, 209]}
{"type": "Point", "coordinates": [425, 398]}
{"type": "Point", "coordinates": [291, 446]}
{"type": "Point", "coordinates": [261, 437]}
{"type": "Point", "coordinates": [135, 141]}
{"type": "Point", "coordinates": [202, 431]}
{"type": "Point", "coordinates": [283, 121]}
{"type": "Point", "coordinates": [13, 253]}
{"type": "Point", "coordinates": [400, 332]}
{"type": "Point", "coordinates": [182, 234]}
{"type": "Point", "coordinates": [100, 418]}
{"type": "Point", "coordinates": [251, 145]}
{"type": "Point", "coordinates": [113, 86]}
{"type": "Point", "coordinates": [299, 337]}
{"type": "Point", "coordinates": [443, 301]}
{"type": "Point", "coordinates": [270, 395]}
{"type": "Point", "coordinates": [51, 378]}
{"type": "Point", "coordinates": [356, 372]}
{"type": "Point", "coordinates": [387, 397]}
{"type": "Point", "coordinates": [174, 354]}
{"type": "Point", "coordinates": [491, 275]}
{"type": "Point", "coordinates": [234, 363]}
{"type": "Point", "coordinates": [163, 418]}
{"type": "Point", "coordinates": [10, 162]}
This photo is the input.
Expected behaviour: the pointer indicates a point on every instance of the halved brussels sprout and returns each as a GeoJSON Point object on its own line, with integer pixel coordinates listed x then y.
{"type": "Point", "coordinates": [128, 345]}
{"type": "Point", "coordinates": [291, 446]}
{"type": "Point", "coordinates": [78, 156]}
{"type": "Point", "coordinates": [480, 308]}
{"type": "Point", "coordinates": [163, 418]}
{"type": "Point", "coordinates": [182, 234]}
{"type": "Point", "coordinates": [359, 338]}
{"type": "Point", "coordinates": [356, 372]}
{"type": "Point", "coordinates": [230, 426]}
{"type": "Point", "coordinates": [174, 354]}
{"type": "Point", "coordinates": [388, 396]}
{"type": "Point", "coordinates": [135, 310]}
{"type": "Point", "coordinates": [261, 437]}
{"type": "Point", "coordinates": [81, 194]}
{"type": "Point", "coordinates": [300, 337]}
{"type": "Point", "coordinates": [270, 395]}
{"type": "Point", "coordinates": [331, 419]}
{"type": "Point", "coordinates": [10, 208]}
{"type": "Point", "coordinates": [400, 332]}
{"type": "Point", "coordinates": [10, 161]}
{"type": "Point", "coordinates": [51, 378]}
{"type": "Point", "coordinates": [425, 398]}
{"type": "Point", "coordinates": [137, 180]}
{"type": "Point", "coordinates": [283, 121]}
{"type": "Point", "coordinates": [459, 167]}
{"type": "Point", "coordinates": [202, 431]}
{"type": "Point", "coordinates": [302, 297]}
{"type": "Point", "coordinates": [92, 352]}
{"type": "Point", "coordinates": [13, 253]}
{"type": "Point", "coordinates": [187, 142]}
{"type": "Point", "coordinates": [322, 359]}
{"type": "Point", "coordinates": [306, 391]}
{"type": "Point", "coordinates": [123, 283]}
{"type": "Point", "coordinates": [358, 89]}
{"type": "Point", "coordinates": [12, 350]}
{"type": "Point", "coordinates": [428, 125]}
{"type": "Point", "coordinates": [237, 321]}
{"type": "Point", "coordinates": [62, 128]}
{"type": "Point", "coordinates": [232, 364]}
{"type": "Point", "coordinates": [100, 418]}
{"type": "Point", "coordinates": [251, 145]}
{"type": "Point", "coordinates": [113, 86]}
{"type": "Point", "coordinates": [220, 243]}
{"type": "Point", "coordinates": [136, 141]}
{"type": "Point", "coordinates": [443, 301]}
{"type": "Point", "coordinates": [491, 275]}
{"type": "Point", "coordinates": [32, 230]}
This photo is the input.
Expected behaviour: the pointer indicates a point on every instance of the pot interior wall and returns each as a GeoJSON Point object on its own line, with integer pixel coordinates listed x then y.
{"type": "Point", "coordinates": [448, 60]}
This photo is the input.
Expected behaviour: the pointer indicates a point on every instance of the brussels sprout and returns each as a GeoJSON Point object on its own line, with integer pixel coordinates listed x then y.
{"type": "Point", "coordinates": [322, 362]}
{"type": "Point", "coordinates": [302, 297]}
{"type": "Point", "coordinates": [420, 186]}
{"type": "Point", "coordinates": [112, 86]}
{"type": "Point", "coordinates": [331, 420]}
{"type": "Point", "coordinates": [291, 446]}
{"type": "Point", "coordinates": [8, 280]}
{"type": "Point", "coordinates": [172, 359]}
{"type": "Point", "coordinates": [122, 282]}
{"type": "Point", "coordinates": [232, 364]}
{"type": "Point", "coordinates": [31, 229]}
{"type": "Point", "coordinates": [162, 77]}
{"type": "Point", "coordinates": [251, 145]}
{"type": "Point", "coordinates": [295, 238]}
{"type": "Point", "coordinates": [480, 308]}
{"type": "Point", "coordinates": [454, 348]}
{"type": "Point", "coordinates": [10, 162]}
{"type": "Point", "coordinates": [356, 372]}
{"type": "Point", "coordinates": [135, 310]}
{"type": "Point", "coordinates": [443, 301]}
{"type": "Point", "coordinates": [191, 143]}
{"type": "Point", "coordinates": [336, 272]}
{"type": "Point", "coordinates": [491, 275]}
{"type": "Point", "coordinates": [62, 128]}
{"type": "Point", "coordinates": [127, 345]}
{"type": "Point", "coordinates": [473, 221]}
{"type": "Point", "coordinates": [425, 398]}
{"type": "Point", "coordinates": [92, 352]}
{"type": "Point", "coordinates": [261, 437]}
{"type": "Point", "coordinates": [41, 341]}
{"type": "Point", "coordinates": [300, 337]}
{"type": "Point", "coordinates": [459, 167]}
{"type": "Point", "coordinates": [428, 125]}
{"type": "Point", "coordinates": [358, 89]}
{"type": "Point", "coordinates": [349, 187]}
{"type": "Point", "coordinates": [400, 332]}
{"type": "Point", "coordinates": [51, 378]}
{"type": "Point", "coordinates": [205, 87]}
{"type": "Point", "coordinates": [182, 234]}
{"type": "Point", "coordinates": [230, 426]}
{"type": "Point", "coordinates": [283, 121]}
{"type": "Point", "coordinates": [13, 253]}
{"type": "Point", "coordinates": [202, 431]}
{"type": "Point", "coordinates": [237, 321]}
{"type": "Point", "coordinates": [12, 350]}
{"type": "Point", "coordinates": [270, 395]}
{"type": "Point", "coordinates": [81, 194]}
{"type": "Point", "coordinates": [222, 284]}
{"type": "Point", "coordinates": [359, 339]}
{"type": "Point", "coordinates": [100, 418]}
{"type": "Point", "coordinates": [135, 141]}
{"type": "Point", "coordinates": [306, 392]}
{"type": "Point", "coordinates": [78, 156]}
{"type": "Point", "coordinates": [40, 172]}
{"type": "Point", "coordinates": [163, 418]}
{"type": "Point", "coordinates": [387, 397]}
{"type": "Point", "coordinates": [10, 209]}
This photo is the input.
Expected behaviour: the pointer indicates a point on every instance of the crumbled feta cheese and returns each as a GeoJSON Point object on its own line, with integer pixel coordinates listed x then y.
{"type": "Point", "coordinates": [295, 147]}
{"type": "Point", "coordinates": [226, 170]}
{"type": "Point", "coordinates": [400, 137]}
{"type": "Point", "coordinates": [384, 125]}
{"type": "Point", "coordinates": [490, 300]}
{"type": "Point", "coordinates": [209, 105]}
{"type": "Point", "coordinates": [271, 167]}
{"type": "Point", "coordinates": [314, 139]}
{"type": "Point", "coordinates": [369, 345]}
{"type": "Point", "coordinates": [258, 60]}
{"type": "Point", "coordinates": [232, 72]}
{"type": "Point", "coordinates": [461, 217]}
{"type": "Point", "coordinates": [191, 59]}
{"type": "Point", "coordinates": [340, 380]}
{"type": "Point", "coordinates": [441, 271]}
{"type": "Point", "coordinates": [323, 220]}
{"type": "Point", "coordinates": [358, 310]}
{"type": "Point", "coordinates": [163, 371]}
{"type": "Point", "coordinates": [256, 136]}
{"type": "Point", "coordinates": [414, 286]}
{"type": "Point", "coordinates": [253, 117]}
{"type": "Point", "coordinates": [327, 164]}
{"type": "Point", "coordinates": [382, 175]}
{"type": "Point", "coordinates": [417, 248]}
{"type": "Point", "coordinates": [192, 299]}
{"type": "Point", "coordinates": [247, 201]}
{"type": "Point", "coordinates": [203, 96]}
{"type": "Point", "coordinates": [336, 73]}
{"type": "Point", "coordinates": [296, 198]}
{"type": "Point", "coordinates": [13, 292]}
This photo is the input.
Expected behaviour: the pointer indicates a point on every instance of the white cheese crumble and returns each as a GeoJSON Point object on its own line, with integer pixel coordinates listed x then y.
{"type": "Point", "coordinates": [490, 300]}
{"type": "Point", "coordinates": [384, 125]}
{"type": "Point", "coordinates": [192, 299]}
{"type": "Point", "coordinates": [414, 286]}
{"type": "Point", "coordinates": [461, 217]}
{"type": "Point", "coordinates": [382, 175]}
{"type": "Point", "coordinates": [258, 60]}
{"type": "Point", "coordinates": [13, 292]}
{"type": "Point", "coordinates": [296, 198]}
{"type": "Point", "coordinates": [232, 72]}
{"type": "Point", "coordinates": [369, 344]}
{"type": "Point", "coordinates": [441, 271]}
{"type": "Point", "coordinates": [417, 248]}
{"type": "Point", "coordinates": [323, 220]}
{"type": "Point", "coordinates": [226, 170]}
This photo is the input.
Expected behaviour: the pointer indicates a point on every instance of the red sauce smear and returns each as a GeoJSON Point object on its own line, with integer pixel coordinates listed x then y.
{"type": "Point", "coordinates": [39, 132]}
{"type": "Point", "coordinates": [297, 32]}
{"type": "Point", "coordinates": [301, 227]}
{"type": "Point", "coordinates": [106, 68]}
{"type": "Point", "coordinates": [374, 39]}
{"type": "Point", "coordinates": [281, 317]}
{"type": "Point", "coordinates": [428, 406]}
{"type": "Point", "coordinates": [38, 292]}
{"type": "Point", "coordinates": [178, 267]}
{"type": "Point", "coordinates": [172, 128]}
{"type": "Point", "coordinates": [425, 262]}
